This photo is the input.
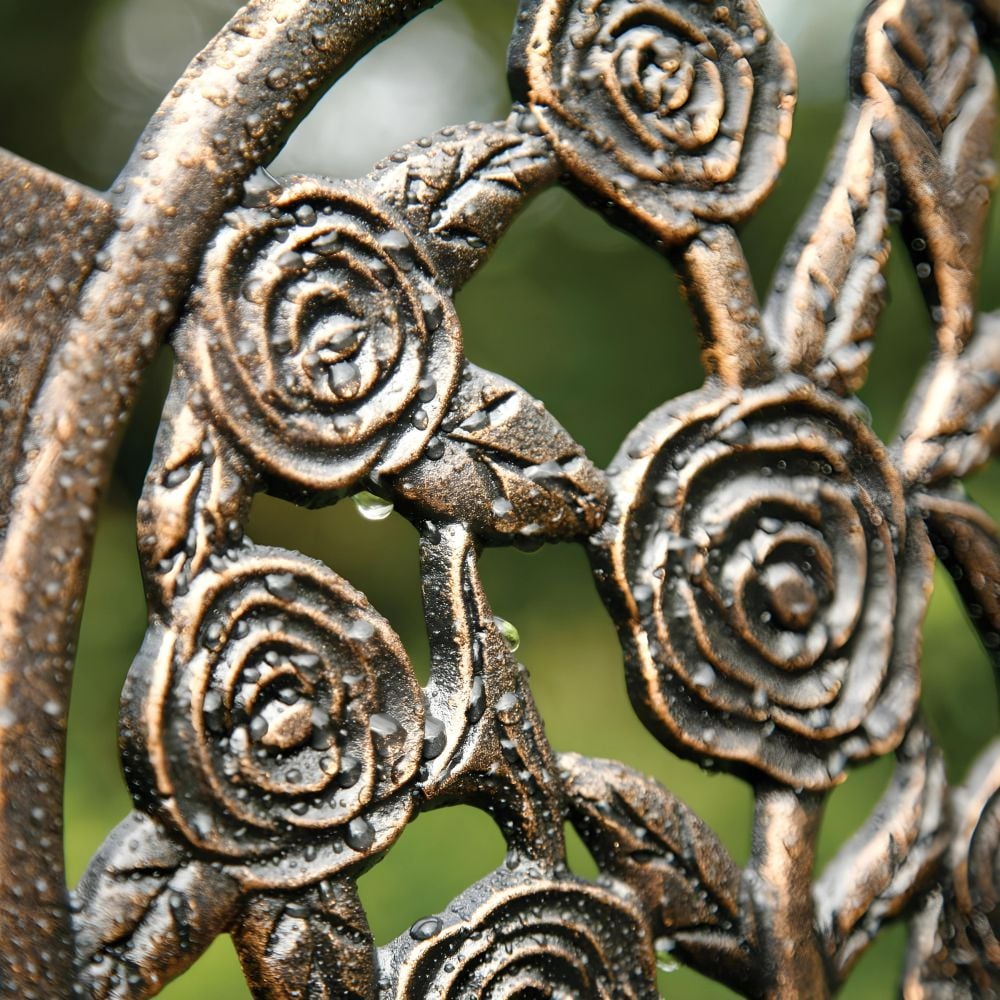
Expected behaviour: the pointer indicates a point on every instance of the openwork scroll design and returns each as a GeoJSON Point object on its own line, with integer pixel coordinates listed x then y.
{"type": "Point", "coordinates": [766, 559]}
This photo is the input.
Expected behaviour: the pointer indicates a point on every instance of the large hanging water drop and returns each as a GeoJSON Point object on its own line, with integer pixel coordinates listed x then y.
{"type": "Point", "coordinates": [665, 960]}
{"type": "Point", "coordinates": [371, 507]}
{"type": "Point", "coordinates": [511, 636]}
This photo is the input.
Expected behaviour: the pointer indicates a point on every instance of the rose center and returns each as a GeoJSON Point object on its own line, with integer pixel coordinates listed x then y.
{"type": "Point", "coordinates": [667, 76]}
{"type": "Point", "coordinates": [791, 595]}
{"type": "Point", "coordinates": [284, 722]}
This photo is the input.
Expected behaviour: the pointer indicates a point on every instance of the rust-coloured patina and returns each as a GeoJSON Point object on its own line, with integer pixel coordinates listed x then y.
{"type": "Point", "coordinates": [766, 559]}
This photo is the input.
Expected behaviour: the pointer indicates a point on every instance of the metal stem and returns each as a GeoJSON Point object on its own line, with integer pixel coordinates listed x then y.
{"type": "Point", "coordinates": [786, 825]}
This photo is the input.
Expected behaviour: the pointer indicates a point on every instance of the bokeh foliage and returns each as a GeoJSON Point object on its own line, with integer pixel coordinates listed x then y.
{"type": "Point", "coordinates": [580, 315]}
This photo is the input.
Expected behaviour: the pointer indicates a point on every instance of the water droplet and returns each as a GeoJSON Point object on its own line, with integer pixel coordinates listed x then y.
{"type": "Point", "coordinates": [399, 247]}
{"type": "Point", "coordinates": [665, 960]}
{"type": "Point", "coordinates": [371, 507]}
{"type": "Point", "coordinates": [212, 635]}
{"type": "Point", "coordinates": [502, 507]}
{"type": "Point", "coordinates": [305, 215]}
{"type": "Point", "coordinates": [345, 379]}
{"type": "Point", "coordinates": [350, 771]}
{"type": "Point", "coordinates": [354, 685]}
{"type": "Point", "coordinates": [203, 825]}
{"type": "Point", "coordinates": [321, 737]}
{"type": "Point", "coordinates": [326, 243]}
{"type": "Point", "coordinates": [290, 261]}
{"type": "Point", "coordinates": [346, 424]}
{"type": "Point", "coordinates": [361, 630]}
{"type": "Point", "coordinates": [477, 700]}
{"type": "Point", "coordinates": [426, 389]}
{"type": "Point", "coordinates": [321, 39]}
{"type": "Point", "coordinates": [306, 662]}
{"type": "Point", "coordinates": [665, 491]}
{"type": "Point", "coordinates": [509, 709]}
{"type": "Point", "coordinates": [425, 929]}
{"type": "Point", "coordinates": [388, 734]}
{"type": "Point", "coordinates": [278, 78]}
{"type": "Point", "coordinates": [258, 727]}
{"type": "Point", "coordinates": [704, 676]}
{"type": "Point", "coordinates": [384, 726]}
{"type": "Point", "coordinates": [212, 707]}
{"type": "Point", "coordinates": [433, 311]}
{"type": "Point", "coordinates": [509, 632]}
{"type": "Point", "coordinates": [360, 834]}
{"type": "Point", "coordinates": [435, 738]}
{"type": "Point", "coordinates": [288, 696]}
{"type": "Point", "coordinates": [281, 585]}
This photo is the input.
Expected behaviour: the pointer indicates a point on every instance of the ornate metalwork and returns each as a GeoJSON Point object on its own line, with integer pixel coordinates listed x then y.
{"type": "Point", "coordinates": [767, 560]}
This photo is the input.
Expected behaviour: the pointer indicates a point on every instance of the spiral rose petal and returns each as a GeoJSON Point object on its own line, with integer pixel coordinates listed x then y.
{"type": "Point", "coordinates": [512, 936]}
{"type": "Point", "coordinates": [276, 706]}
{"type": "Point", "coordinates": [771, 587]}
{"type": "Point", "coordinates": [319, 338]}
{"type": "Point", "coordinates": [671, 115]}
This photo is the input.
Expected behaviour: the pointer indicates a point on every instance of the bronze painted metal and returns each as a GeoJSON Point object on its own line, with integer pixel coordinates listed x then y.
{"type": "Point", "coordinates": [766, 559]}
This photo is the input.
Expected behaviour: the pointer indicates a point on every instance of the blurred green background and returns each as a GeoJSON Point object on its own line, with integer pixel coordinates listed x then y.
{"type": "Point", "coordinates": [580, 315]}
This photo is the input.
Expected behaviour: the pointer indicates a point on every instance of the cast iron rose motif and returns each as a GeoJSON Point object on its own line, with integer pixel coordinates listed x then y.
{"type": "Point", "coordinates": [325, 344]}
{"type": "Point", "coordinates": [274, 716]}
{"type": "Point", "coordinates": [319, 337]}
{"type": "Point", "coordinates": [768, 582]}
{"type": "Point", "coordinates": [674, 114]}
{"type": "Point", "coordinates": [513, 935]}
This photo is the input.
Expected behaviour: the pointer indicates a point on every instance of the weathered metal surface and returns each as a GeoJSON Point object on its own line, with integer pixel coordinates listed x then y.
{"type": "Point", "coordinates": [766, 559]}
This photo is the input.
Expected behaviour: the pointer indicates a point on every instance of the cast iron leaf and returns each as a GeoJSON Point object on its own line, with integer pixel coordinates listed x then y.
{"type": "Point", "coordinates": [954, 949]}
{"type": "Point", "coordinates": [461, 188]}
{"type": "Point", "coordinates": [641, 834]}
{"type": "Point", "coordinates": [145, 911]}
{"type": "Point", "coordinates": [315, 943]}
{"type": "Point", "coordinates": [826, 302]}
{"type": "Point", "coordinates": [197, 491]}
{"type": "Point", "coordinates": [888, 862]}
{"type": "Point", "coordinates": [968, 543]}
{"type": "Point", "coordinates": [953, 424]}
{"type": "Point", "coordinates": [505, 467]}
{"type": "Point", "coordinates": [484, 741]}
{"type": "Point", "coordinates": [934, 95]}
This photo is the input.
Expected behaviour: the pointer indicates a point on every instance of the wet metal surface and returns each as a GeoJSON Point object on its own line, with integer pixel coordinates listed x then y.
{"type": "Point", "coordinates": [766, 559]}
